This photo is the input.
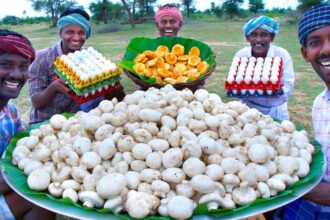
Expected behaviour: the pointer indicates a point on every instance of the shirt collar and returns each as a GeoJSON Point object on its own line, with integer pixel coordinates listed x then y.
{"type": "Point", "coordinates": [326, 95]}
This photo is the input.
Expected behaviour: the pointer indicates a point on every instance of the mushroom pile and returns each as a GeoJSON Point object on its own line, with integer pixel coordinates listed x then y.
{"type": "Point", "coordinates": [162, 149]}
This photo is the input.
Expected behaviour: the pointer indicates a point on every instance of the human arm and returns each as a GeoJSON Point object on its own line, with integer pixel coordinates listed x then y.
{"type": "Point", "coordinates": [320, 194]}
{"type": "Point", "coordinates": [4, 188]}
{"type": "Point", "coordinates": [43, 98]}
{"type": "Point", "coordinates": [42, 86]}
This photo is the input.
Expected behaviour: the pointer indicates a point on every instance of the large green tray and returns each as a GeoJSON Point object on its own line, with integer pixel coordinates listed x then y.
{"type": "Point", "coordinates": [17, 180]}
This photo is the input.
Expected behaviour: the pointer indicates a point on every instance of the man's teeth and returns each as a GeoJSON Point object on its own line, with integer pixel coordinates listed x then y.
{"type": "Point", "coordinates": [326, 64]}
{"type": "Point", "coordinates": [168, 31]}
{"type": "Point", "coordinates": [11, 84]}
{"type": "Point", "coordinates": [258, 45]}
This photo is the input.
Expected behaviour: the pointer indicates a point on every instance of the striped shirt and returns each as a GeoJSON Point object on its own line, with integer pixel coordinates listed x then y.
{"type": "Point", "coordinates": [41, 75]}
{"type": "Point", "coordinates": [274, 107]}
{"type": "Point", "coordinates": [321, 125]}
{"type": "Point", "coordinates": [10, 124]}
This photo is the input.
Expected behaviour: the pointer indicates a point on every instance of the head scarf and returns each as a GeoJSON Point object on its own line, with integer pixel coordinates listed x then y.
{"type": "Point", "coordinates": [263, 22]}
{"type": "Point", "coordinates": [168, 11]}
{"type": "Point", "coordinates": [75, 19]}
{"type": "Point", "coordinates": [17, 45]}
{"type": "Point", "coordinates": [314, 18]}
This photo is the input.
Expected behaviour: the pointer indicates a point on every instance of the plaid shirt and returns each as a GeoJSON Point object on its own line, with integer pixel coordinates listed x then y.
{"type": "Point", "coordinates": [275, 107]}
{"type": "Point", "coordinates": [321, 125]}
{"type": "Point", "coordinates": [10, 124]}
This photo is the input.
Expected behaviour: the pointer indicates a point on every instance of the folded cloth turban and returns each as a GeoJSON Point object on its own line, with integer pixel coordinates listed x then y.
{"type": "Point", "coordinates": [168, 11]}
{"type": "Point", "coordinates": [263, 22]}
{"type": "Point", "coordinates": [75, 19]}
{"type": "Point", "coordinates": [17, 45]}
{"type": "Point", "coordinates": [314, 18]}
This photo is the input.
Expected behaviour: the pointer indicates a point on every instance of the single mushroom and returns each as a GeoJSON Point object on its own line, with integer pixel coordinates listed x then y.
{"type": "Point", "coordinates": [90, 199]}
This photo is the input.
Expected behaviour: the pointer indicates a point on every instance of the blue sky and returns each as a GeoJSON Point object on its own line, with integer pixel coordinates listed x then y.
{"type": "Point", "coordinates": [17, 7]}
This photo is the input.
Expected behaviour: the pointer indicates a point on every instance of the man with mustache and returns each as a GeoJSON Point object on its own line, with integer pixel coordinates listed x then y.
{"type": "Point", "coordinates": [260, 33]}
{"type": "Point", "coordinates": [49, 95]}
{"type": "Point", "coordinates": [16, 54]}
{"type": "Point", "coordinates": [314, 37]}
{"type": "Point", "coordinates": [168, 20]}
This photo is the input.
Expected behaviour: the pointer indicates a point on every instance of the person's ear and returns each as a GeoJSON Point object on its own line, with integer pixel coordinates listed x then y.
{"type": "Point", "coordinates": [180, 26]}
{"type": "Point", "coordinates": [303, 51]}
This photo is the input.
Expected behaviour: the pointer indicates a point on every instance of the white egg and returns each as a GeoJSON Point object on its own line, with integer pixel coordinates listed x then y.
{"type": "Point", "coordinates": [264, 79]}
{"type": "Point", "coordinates": [266, 72]}
{"type": "Point", "coordinates": [269, 92]}
{"type": "Point", "coordinates": [243, 91]}
{"type": "Point", "coordinates": [260, 60]}
{"type": "Point", "coordinates": [113, 66]}
{"type": "Point", "coordinates": [252, 91]}
{"type": "Point", "coordinates": [232, 72]}
{"type": "Point", "coordinates": [257, 72]}
{"type": "Point", "coordinates": [247, 79]}
{"type": "Point", "coordinates": [86, 95]}
{"type": "Point", "coordinates": [260, 91]}
{"type": "Point", "coordinates": [252, 59]}
{"type": "Point", "coordinates": [241, 68]}
{"type": "Point", "coordinates": [269, 59]}
{"type": "Point", "coordinates": [277, 59]}
{"type": "Point", "coordinates": [236, 59]}
{"type": "Point", "coordinates": [274, 79]}
{"type": "Point", "coordinates": [230, 79]}
{"type": "Point", "coordinates": [239, 79]}
{"type": "Point", "coordinates": [256, 79]}
{"type": "Point", "coordinates": [234, 91]}
{"type": "Point", "coordinates": [232, 68]}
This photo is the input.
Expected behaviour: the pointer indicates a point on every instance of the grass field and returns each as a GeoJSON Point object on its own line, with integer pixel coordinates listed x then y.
{"type": "Point", "coordinates": [224, 37]}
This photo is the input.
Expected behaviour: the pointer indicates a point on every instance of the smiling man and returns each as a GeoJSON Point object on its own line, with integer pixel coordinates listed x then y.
{"type": "Point", "coordinates": [16, 54]}
{"type": "Point", "coordinates": [49, 94]}
{"type": "Point", "coordinates": [314, 37]}
{"type": "Point", "coordinates": [260, 33]}
{"type": "Point", "coordinates": [168, 20]}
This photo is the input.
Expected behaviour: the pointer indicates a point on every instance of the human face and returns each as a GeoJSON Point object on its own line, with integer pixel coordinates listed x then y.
{"type": "Point", "coordinates": [317, 52]}
{"type": "Point", "coordinates": [260, 40]}
{"type": "Point", "coordinates": [169, 26]}
{"type": "Point", "coordinates": [13, 75]}
{"type": "Point", "coordinates": [73, 38]}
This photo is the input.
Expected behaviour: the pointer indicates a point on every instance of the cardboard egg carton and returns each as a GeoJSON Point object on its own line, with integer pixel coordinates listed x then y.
{"type": "Point", "coordinates": [254, 77]}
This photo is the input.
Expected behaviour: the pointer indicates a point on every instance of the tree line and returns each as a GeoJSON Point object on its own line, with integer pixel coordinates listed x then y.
{"type": "Point", "coordinates": [138, 11]}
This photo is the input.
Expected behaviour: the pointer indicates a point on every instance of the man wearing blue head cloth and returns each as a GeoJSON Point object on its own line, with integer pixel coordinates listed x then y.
{"type": "Point", "coordinates": [314, 37]}
{"type": "Point", "coordinates": [260, 32]}
{"type": "Point", "coordinates": [49, 95]}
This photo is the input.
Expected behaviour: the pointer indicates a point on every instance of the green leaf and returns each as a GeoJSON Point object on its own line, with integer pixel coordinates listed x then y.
{"type": "Point", "coordinates": [18, 180]}
{"type": "Point", "coordinates": [139, 44]}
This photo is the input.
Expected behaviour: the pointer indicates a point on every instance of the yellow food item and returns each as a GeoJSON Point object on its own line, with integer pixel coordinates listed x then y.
{"type": "Point", "coordinates": [178, 49]}
{"type": "Point", "coordinates": [163, 50]}
{"type": "Point", "coordinates": [194, 60]}
{"type": "Point", "coordinates": [194, 51]}
{"type": "Point", "coordinates": [202, 67]}
{"type": "Point", "coordinates": [170, 65]}
{"type": "Point", "coordinates": [183, 58]}
{"type": "Point", "coordinates": [171, 58]}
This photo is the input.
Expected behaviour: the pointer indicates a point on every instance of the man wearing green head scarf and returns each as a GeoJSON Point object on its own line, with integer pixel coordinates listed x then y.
{"type": "Point", "coordinates": [49, 94]}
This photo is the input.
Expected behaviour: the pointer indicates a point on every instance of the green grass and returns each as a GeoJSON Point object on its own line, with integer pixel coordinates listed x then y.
{"type": "Point", "coordinates": [224, 37]}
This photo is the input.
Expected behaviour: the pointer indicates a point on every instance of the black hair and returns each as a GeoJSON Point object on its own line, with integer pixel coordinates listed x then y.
{"type": "Point", "coordinates": [76, 11]}
{"type": "Point", "coordinates": [5, 32]}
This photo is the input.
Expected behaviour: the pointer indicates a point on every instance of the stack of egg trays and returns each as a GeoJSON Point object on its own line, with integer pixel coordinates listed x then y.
{"type": "Point", "coordinates": [275, 88]}
{"type": "Point", "coordinates": [108, 81]}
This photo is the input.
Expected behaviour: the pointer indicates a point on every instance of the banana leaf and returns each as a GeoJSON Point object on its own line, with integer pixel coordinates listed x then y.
{"type": "Point", "coordinates": [139, 44]}
{"type": "Point", "coordinates": [18, 181]}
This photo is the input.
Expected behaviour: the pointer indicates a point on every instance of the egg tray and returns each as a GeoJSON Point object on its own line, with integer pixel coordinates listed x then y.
{"type": "Point", "coordinates": [95, 86]}
{"type": "Point", "coordinates": [238, 94]}
{"type": "Point", "coordinates": [83, 84]}
{"type": "Point", "coordinates": [259, 86]}
{"type": "Point", "coordinates": [82, 99]}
